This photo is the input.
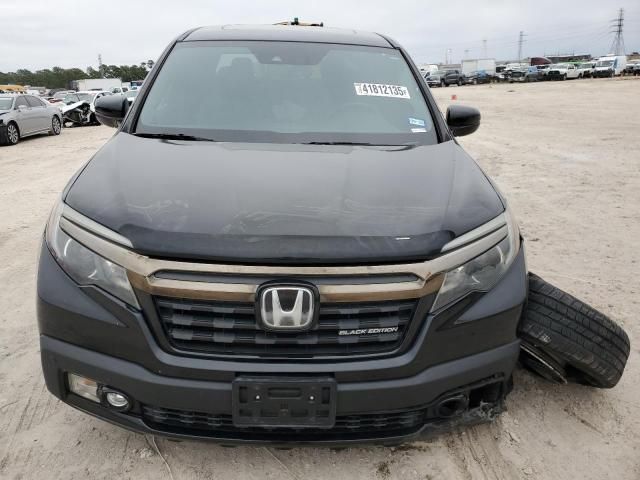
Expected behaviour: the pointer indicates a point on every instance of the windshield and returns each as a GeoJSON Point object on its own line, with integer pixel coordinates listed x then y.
{"type": "Point", "coordinates": [604, 63]}
{"type": "Point", "coordinates": [5, 103]}
{"type": "Point", "coordinates": [287, 92]}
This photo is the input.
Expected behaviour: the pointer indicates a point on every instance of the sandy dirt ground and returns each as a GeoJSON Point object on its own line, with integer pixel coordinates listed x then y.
{"type": "Point", "coordinates": [566, 154]}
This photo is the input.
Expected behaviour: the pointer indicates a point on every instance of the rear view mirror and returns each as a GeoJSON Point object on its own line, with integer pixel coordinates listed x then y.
{"type": "Point", "coordinates": [463, 120]}
{"type": "Point", "coordinates": [111, 110]}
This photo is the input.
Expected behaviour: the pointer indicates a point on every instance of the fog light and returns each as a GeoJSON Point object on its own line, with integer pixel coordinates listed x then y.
{"type": "Point", "coordinates": [117, 400]}
{"type": "Point", "coordinates": [84, 387]}
{"type": "Point", "coordinates": [114, 399]}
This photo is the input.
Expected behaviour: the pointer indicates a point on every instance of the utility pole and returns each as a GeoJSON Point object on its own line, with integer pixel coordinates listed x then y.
{"type": "Point", "coordinates": [617, 47]}
{"type": "Point", "coordinates": [520, 42]}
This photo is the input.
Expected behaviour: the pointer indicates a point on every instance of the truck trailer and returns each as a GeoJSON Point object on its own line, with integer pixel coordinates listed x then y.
{"type": "Point", "coordinates": [487, 65]}
{"type": "Point", "coordinates": [96, 84]}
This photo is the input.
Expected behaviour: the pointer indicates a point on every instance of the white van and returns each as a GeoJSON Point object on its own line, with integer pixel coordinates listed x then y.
{"type": "Point", "coordinates": [610, 65]}
{"type": "Point", "coordinates": [428, 69]}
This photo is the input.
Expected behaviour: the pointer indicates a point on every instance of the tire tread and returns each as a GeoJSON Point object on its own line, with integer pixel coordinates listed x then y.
{"type": "Point", "coordinates": [580, 336]}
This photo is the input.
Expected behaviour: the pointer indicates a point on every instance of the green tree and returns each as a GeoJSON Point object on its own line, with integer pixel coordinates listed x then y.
{"type": "Point", "coordinates": [58, 77]}
{"type": "Point", "coordinates": [93, 73]}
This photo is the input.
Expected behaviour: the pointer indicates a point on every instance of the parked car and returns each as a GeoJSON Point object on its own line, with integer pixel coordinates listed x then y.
{"type": "Point", "coordinates": [542, 71]}
{"type": "Point", "coordinates": [119, 90]}
{"type": "Point", "coordinates": [530, 74]}
{"type": "Point", "coordinates": [502, 75]}
{"type": "Point", "coordinates": [604, 69]}
{"type": "Point", "coordinates": [453, 77]}
{"type": "Point", "coordinates": [562, 71]}
{"type": "Point", "coordinates": [58, 96]}
{"type": "Point", "coordinates": [478, 77]}
{"type": "Point", "coordinates": [79, 107]}
{"type": "Point", "coordinates": [586, 69]}
{"type": "Point", "coordinates": [435, 79]}
{"type": "Point", "coordinates": [131, 95]}
{"type": "Point", "coordinates": [631, 67]}
{"type": "Point", "coordinates": [297, 258]}
{"type": "Point", "coordinates": [610, 65]}
{"type": "Point", "coordinates": [25, 115]}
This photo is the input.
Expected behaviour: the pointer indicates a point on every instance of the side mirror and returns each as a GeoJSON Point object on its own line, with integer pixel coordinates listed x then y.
{"type": "Point", "coordinates": [111, 110]}
{"type": "Point", "coordinates": [463, 120]}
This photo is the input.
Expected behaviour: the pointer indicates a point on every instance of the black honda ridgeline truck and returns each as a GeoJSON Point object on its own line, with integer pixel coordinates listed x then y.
{"type": "Point", "coordinates": [284, 243]}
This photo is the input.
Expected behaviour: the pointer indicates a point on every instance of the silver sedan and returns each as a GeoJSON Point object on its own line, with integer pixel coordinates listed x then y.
{"type": "Point", "coordinates": [24, 115]}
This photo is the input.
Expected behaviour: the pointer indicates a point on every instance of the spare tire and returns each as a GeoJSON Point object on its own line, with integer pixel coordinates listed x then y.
{"type": "Point", "coordinates": [564, 339]}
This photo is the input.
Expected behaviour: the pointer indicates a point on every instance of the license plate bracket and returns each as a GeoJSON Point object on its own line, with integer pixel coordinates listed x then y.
{"type": "Point", "coordinates": [284, 402]}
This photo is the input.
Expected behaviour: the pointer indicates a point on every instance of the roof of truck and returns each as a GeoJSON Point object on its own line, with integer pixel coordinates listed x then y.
{"type": "Point", "coordinates": [287, 33]}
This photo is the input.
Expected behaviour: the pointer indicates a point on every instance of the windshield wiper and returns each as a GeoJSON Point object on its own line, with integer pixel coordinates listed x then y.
{"type": "Point", "coordinates": [174, 136]}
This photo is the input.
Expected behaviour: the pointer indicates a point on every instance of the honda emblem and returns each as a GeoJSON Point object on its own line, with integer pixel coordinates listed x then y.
{"type": "Point", "coordinates": [287, 306]}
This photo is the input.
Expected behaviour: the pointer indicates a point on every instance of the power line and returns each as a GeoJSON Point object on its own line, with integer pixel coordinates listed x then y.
{"type": "Point", "coordinates": [520, 42]}
{"type": "Point", "coordinates": [617, 47]}
{"type": "Point", "coordinates": [533, 39]}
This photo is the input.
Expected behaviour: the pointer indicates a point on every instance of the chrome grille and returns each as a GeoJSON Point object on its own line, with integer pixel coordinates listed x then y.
{"type": "Point", "coordinates": [231, 328]}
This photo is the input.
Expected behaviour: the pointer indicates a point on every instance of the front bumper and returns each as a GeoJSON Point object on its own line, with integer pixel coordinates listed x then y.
{"type": "Point", "coordinates": [87, 332]}
{"type": "Point", "coordinates": [487, 372]}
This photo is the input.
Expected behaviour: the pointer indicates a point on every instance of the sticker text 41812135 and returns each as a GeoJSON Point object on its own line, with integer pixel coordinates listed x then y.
{"type": "Point", "coordinates": [381, 90]}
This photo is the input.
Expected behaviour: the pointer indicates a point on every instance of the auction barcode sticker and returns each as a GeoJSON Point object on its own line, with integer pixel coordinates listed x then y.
{"type": "Point", "coordinates": [381, 90]}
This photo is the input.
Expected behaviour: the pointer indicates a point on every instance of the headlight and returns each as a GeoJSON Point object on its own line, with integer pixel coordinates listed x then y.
{"type": "Point", "coordinates": [481, 273]}
{"type": "Point", "coordinates": [85, 266]}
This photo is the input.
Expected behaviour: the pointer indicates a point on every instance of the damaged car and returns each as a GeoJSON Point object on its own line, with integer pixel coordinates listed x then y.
{"type": "Point", "coordinates": [284, 243]}
{"type": "Point", "coordinates": [79, 108]}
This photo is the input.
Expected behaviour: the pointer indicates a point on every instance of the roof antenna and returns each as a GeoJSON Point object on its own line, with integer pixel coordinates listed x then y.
{"type": "Point", "coordinates": [296, 21]}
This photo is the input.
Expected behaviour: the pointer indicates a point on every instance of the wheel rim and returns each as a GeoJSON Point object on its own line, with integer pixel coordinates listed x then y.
{"type": "Point", "coordinates": [12, 131]}
{"type": "Point", "coordinates": [56, 125]}
{"type": "Point", "coordinates": [545, 366]}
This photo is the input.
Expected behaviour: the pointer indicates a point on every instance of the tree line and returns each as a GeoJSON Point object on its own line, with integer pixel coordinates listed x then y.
{"type": "Point", "coordinates": [57, 77]}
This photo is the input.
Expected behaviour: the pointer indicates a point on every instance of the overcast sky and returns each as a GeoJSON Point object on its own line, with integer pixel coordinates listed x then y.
{"type": "Point", "coordinates": [37, 34]}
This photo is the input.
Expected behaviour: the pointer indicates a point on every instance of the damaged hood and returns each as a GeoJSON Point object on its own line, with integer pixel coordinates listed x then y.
{"type": "Point", "coordinates": [72, 106]}
{"type": "Point", "coordinates": [272, 203]}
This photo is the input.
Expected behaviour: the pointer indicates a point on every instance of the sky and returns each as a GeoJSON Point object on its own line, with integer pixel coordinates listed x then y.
{"type": "Point", "coordinates": [37, 34]}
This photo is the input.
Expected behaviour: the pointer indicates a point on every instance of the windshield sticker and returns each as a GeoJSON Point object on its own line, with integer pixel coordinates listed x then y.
{"type": "Point", "coordinates": [416, 121]}
{"type": "Point", "coordinates": [381, 90]}
{"type": "Point", "coordinates": [418, 130]}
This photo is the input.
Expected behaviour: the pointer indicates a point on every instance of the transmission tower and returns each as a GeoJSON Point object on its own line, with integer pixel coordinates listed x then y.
{"type": "Point", "coordinates": [617, 47]}
{"type": "Point", "coordinates": [520, 43]}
